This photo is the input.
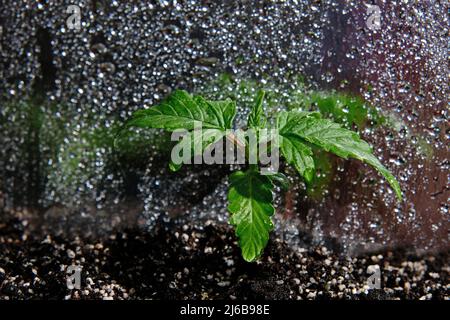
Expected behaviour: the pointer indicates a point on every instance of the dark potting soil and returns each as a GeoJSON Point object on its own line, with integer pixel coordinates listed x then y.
{"type": "Point", "coordinates": [183, 262]}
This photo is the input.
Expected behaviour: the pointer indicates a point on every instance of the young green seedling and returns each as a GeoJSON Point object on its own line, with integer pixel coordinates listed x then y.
{"type": "Point", "coordinates": [250, 194]}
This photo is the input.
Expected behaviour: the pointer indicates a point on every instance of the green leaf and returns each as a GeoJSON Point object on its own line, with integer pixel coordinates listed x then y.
{"type": "Point", "coordinates": [256, 118]}
{"type": "Point", "coordinates": [333, 138]}
{"type": "Point", "coordinates": [183, 111]}
{"type": "Point", "coordinates": [294, 149]}
{"type": "Point", "coordinates": [250, 205]}
{"type": "Point", "coordinates": [195, 142]}
{"type": "Point", "coordinates": [279, 179]}
{"type": "Point", "coordinates": [299, 155]}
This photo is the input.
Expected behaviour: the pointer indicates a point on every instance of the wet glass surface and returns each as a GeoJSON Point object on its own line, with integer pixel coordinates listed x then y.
{"type": "Point", "coordinates": [63, 91]}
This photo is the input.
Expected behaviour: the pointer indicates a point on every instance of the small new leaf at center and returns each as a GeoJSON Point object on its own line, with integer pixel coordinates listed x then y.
{"type": "Point", "coordinates": [256, 118]}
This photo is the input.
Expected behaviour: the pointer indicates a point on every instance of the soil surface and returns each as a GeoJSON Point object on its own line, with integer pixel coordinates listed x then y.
{"type": "Point", "coordinates": [182, 262]}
